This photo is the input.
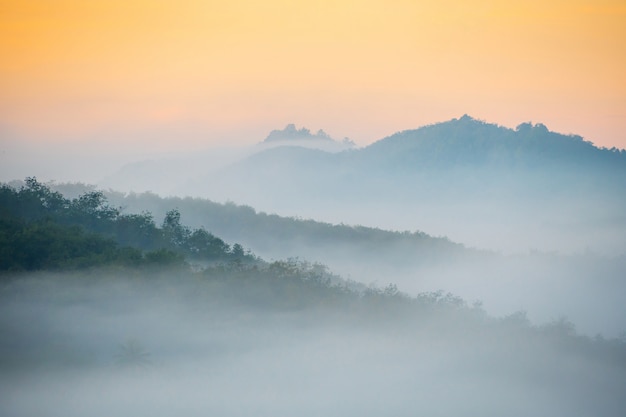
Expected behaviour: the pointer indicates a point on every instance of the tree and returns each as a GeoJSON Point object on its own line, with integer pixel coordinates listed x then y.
{"type": "Point", "coordinates": [175, 233]}
{"type": "Point", "coordinates": [138, 230]}
{"type": "Point", "coordinates": [203, 244]}
{"type": "Point", "coordinates": [94, 203]}
{"type": "Point", "coordinates": [32, 201]}
{"type": "Point", "coordinates": [164, 257]}
{"type": "Point", "coordinates": [238, 251]}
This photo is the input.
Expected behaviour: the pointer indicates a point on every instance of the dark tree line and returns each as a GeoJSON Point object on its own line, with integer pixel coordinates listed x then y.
{"type": "Point", "coordinates": [41, 229]}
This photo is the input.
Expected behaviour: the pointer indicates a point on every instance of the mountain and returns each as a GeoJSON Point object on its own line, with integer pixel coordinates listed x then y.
{"type": "Point", "coordinates": [450, 150]}
{"type": "Point", "coordinates": [444, 150]}
{"type": "Point", "coordinates": [480, 184]}
{"type": "Point", "coordinates": [290, 132]}
{"type": "Point", "coordinates": [292, 136]}
{"type": "Point", "coordinates": [167, 175]}
{"type": "Point", "coordinates": [469, 180]}
{"type": "Point", "coordinates": [468, 142]}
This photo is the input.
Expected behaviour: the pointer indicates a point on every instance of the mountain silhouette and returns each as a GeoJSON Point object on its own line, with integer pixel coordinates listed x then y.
{"type": "Point", "coordinates": [292, 136]}
{"type": "Point", "coordinates": [478, 183]}
{"type": "Point", "coordinates": [443, 178]}
{"type": "Point", "coordinates": [290, 132]}
{"type": "Point", "coordinates": [473, 143]}
{"type": "Point", "coordinates": [465, 151]}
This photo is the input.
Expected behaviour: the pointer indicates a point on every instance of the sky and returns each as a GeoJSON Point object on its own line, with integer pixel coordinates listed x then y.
{"type": "Point", "coordinates": [177, 74]}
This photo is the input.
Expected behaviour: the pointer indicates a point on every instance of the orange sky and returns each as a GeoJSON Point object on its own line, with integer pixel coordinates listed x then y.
{"type": "Point", "coordinates": [207, 70]}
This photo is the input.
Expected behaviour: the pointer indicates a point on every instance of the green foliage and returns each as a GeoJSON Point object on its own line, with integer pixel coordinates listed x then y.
{"type": "Point", "coordinates": [174, 232]}
{"type": "Point", "coordinates": [138, 230]}
{"type": "Point", "coordinates": [44, 244]}
{"type": "Point", "coordinates": [202, 244]}
{"type": "Point", "coordinates": [40, 229]}
{"type": "Point", "coordinates": [163, 257]}
{"type": "Point", "coordinates": [286, 236]}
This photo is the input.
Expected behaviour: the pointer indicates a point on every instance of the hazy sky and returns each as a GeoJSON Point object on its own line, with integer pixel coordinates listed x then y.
{"type": "Point", "coordinates": [183, 73]}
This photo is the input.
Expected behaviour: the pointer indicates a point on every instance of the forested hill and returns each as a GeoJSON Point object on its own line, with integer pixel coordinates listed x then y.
{"type": "Point", "coordinates": [41, 229]}
{"type": "Point", "coordinates": [462, 154]}
{"type": "Point", "coordinates": [276, 237]}
{"type": "Point", "coordinates": [347, 249]}
{"type": "Point", "coordinates": [239, 322]}
{"type": "Point", "coordinates": [470, 142]}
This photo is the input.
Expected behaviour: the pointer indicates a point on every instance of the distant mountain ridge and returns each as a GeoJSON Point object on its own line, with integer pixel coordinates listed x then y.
{"type": "Point", "coordinates": [468, 141]}
{"type": "Point", "coordinates": [290, 132]}
{"type": "Point", "coordinates": [292, 136]}
{"type": "Point", "coordinates": [451, 178]}
{"type": "Point", "coordinates": [545, 189]}
{"type": "Point", "coordinates": [457, 144]}
{"type": "Point", "coordinates": [455, 150]}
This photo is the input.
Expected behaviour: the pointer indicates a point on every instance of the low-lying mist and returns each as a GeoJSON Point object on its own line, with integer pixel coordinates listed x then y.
{"type": "Point", "coordinates": [159, 343]}
{"type": "Point", "coordinates": [517, 311]}
{"type": "Point", "coordinates": [585, 287]}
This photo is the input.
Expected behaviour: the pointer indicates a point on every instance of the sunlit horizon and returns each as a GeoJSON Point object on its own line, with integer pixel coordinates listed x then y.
{"type": "Point", "coordinates": [203, 73]}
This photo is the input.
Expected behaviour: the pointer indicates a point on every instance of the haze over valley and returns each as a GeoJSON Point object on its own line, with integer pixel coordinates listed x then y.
{"type": "Point", "coordinates": [519, 219]}
{"type": "Point", "coordinates": [329, 208]}
{"type": "Point", "coordinates": [387, 293]}
{"type": "Point", "coordinates": [522, 189]}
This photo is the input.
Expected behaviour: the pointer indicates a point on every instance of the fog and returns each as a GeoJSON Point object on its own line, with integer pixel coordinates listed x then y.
{"type": "Point", "coordinates": [546, 209]}
{"type": "Point", "coordinates": [475, 270]}
{"type": "Point", "coordinates": [482, 185]}
{"type": "Point", "coordinates": [67, 339]}
{"type": "Point", "coordinates": [585, 287]}
{"type": "Point", "coordinates": [127, 159]}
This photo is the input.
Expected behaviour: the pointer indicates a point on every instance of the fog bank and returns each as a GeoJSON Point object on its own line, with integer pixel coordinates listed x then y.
{"type": "Point", "coordinates": [196, 354]}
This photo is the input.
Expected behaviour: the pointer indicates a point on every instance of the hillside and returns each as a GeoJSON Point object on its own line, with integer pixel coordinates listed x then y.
{"type": "Point", "coordinates": [234, 341]}
{"type": "Point", "coordinates": [274, 236]}
{"type": "Point", "coordinates": [166, 318]}
{"type": "Point", "coordinates": [40, 229]}
{"type": "Point", "coordinates": [478, 154]}
{"type": "Point", "coordinates": [461, 159]}
{"type": "Point", "coordinates": [458, 178]}
{"type": "Point", "coordinates": [585, 287]}
{"type": "Point", "coordinates": [467, 142]}
{"type": "Point", "coordinates": [271, 235]}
